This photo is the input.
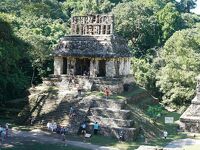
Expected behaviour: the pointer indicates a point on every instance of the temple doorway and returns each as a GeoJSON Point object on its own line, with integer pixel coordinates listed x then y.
{"type": "Point", "coordinates": [102, 68]}
{"type": "Point", "coordinates": [82, 66]}
{"type": "Point", "coordinates": [64, 65]}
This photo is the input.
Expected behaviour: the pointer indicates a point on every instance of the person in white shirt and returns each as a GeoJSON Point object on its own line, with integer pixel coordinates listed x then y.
{"type": "Point", "coordinates": [48, 125]}
{"type": "Point", "coordinates": [165, 133]}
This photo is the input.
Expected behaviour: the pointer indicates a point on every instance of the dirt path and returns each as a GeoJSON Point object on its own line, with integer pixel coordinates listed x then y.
{"type": "Point", "coordinates": [181, 143]}
{"type": "Point", "coordinates": [46, 137]}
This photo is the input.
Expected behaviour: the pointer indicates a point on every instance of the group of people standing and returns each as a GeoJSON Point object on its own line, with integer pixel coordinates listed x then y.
{"type": "Point", "coordinates": [52, 126]}
{"type": "Point", "coordinates": [83, 128]}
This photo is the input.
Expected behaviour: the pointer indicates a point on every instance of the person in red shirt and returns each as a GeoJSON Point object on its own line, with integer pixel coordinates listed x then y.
{"type": "Point", "coordinates": [107, 92]}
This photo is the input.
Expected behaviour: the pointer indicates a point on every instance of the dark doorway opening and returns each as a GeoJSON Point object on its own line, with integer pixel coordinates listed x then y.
{"type": "Point", "coordinates": [82, 66]}
{"type": "Point", "coordinates": [102, 68]}
{"type": "Point", "coordinates": [64, 65]}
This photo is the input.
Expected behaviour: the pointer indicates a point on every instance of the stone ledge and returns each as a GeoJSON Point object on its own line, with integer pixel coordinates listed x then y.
{"type": "Point", "coordinates": [130, 134]}
{"type": "Point", "coordinates": [111, 121]}
{"type": "Point", "coordinates": [110, 113]}
{"type": "Point", "coordinates": [108, 103]}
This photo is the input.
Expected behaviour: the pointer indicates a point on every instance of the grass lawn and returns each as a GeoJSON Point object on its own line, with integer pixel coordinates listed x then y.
{"type": "Point", "coordinates": [39, 146]}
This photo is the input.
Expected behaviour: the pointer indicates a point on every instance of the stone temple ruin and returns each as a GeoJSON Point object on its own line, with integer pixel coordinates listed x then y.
{"type": "Point", "coordinates": [95, 58]}
{"type": "Point", "coordinates": [95, 51]}
{"type": "Point", "coordinates": [191, 117]}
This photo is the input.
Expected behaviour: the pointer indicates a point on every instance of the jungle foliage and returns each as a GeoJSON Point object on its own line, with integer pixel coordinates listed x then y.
{"type": "Point", "coordinates": [163, 35]}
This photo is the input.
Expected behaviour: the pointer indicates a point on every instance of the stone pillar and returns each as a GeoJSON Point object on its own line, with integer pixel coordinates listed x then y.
{"type": "Point", "coordinates": [97, 66]}
{"type": "Point", "coordinates": [68, 66]}
{"type": "Point", "coordinates": [121, 67]}
{"type": "Point", "coordinates": [58, 65]}
{"type": "Point", "coordinates": [101, 29]}
{"type": "Point", "coordinates": [92, 68]}
{"type": "Point", "coordinates": [73, 63]}
{"type": "Point", "coordinates": [125, 67]}
{"type": "Point", "coordinates": [129, 66]}
{"type": "Point", "coordinates": [110, 68]}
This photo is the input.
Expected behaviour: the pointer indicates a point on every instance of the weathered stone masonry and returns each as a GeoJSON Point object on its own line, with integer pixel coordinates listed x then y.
{"type": "Point", "coordinates": [191, 117]}
{"type": "Point", "coordinates": [92, 49]}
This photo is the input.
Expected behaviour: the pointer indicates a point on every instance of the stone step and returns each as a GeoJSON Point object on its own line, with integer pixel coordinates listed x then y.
{"type": "Point", "coordinates": [110, 113]}
{"type": "Point", "coordinates": [111, 121]}
{"type": "Point", "coordinates": [106, 80]}
{"type": "Point", "coordinates": [129, 134]}
{"type": "Point", "coordinates": [108, 104]}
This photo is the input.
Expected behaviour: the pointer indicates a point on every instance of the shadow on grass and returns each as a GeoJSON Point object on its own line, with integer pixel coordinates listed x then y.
{"type": "Point", "coordinates": [32, 145]}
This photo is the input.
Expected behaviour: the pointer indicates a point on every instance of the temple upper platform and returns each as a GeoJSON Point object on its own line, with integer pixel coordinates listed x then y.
{"type": "Point", "coordinates": [92, 49]}
{"type": "Point", "coordinates": [102, 46]}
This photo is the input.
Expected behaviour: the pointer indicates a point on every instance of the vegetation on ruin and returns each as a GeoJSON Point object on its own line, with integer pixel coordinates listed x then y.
{"type": "Point", "coordinates": [163, 36]}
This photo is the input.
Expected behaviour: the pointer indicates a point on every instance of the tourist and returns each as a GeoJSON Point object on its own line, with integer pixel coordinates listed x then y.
{"type": "Point", "coordinates": [96, 128]}
{"type": "Point", "coordinates": [165, 133]}
{"type": "Point", "coordinates": [7, 128]}
{"type": "Point", "coordinates": [71, 112]}
{"type": "Point", "coordinates": [73, 80]}
{"type": "Point", "coordinates": [63, 130]}
{"type": "Point", "coordinates": [63, 137]}
{"type": "Point", "coordinates": [54, 126]}
{"type": "Point", "coordinates": [32, 120]}
{"type": "Point", "coordinates": [49, 125]}
{"type": "Point", "coordinates": [2, 133]}
{"type": "Point", "coordinates": [121, 136]}
{"type": "Point", "coordinates": [58, 129]}
{"type": "Point", "coordinates": [107, 92]}
{"type": "Point", "coordinates": [83, 128]}
{"type": "Point", "coordinates": [85, 73]}
{"type": "Point", "coordinates": [95, 72]}
{"type": "Point", "coordinates": [79, 90]}
{"type": "Point", "coordinates": [1, 129]}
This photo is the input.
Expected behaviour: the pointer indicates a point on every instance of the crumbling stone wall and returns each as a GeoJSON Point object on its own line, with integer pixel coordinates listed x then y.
{"type": "Point", "coordinates": [58, 65]}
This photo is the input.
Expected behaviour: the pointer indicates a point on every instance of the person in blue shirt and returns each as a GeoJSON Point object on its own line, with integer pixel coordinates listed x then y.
{"type": "Point", "coordinates": [96, 128]}
{"type": "Point", "coordinates": [83, 128]}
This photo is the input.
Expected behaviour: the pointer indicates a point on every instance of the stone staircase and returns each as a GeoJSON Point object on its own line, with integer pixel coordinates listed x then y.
{"type": "Point", "coordinates": [52, 101]}
{"type": "Point", "coordinates": [112, 118]}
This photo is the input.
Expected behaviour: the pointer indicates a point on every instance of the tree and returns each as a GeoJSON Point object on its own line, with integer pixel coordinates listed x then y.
{"type": "Point", "coordinates": [190, 20]}
{"type": "Point", "coordinates": [74, 7]}
{"type": "Point", "coordinates": [170, 20]}
{"type": "Point", "coordinates": [137, 23]}
{"type": "Point", "coordinates": [181, 64]}
{"type": "Point", "coordinates": [187, 5]}
{"type": "Point", "coordinates": [13, 78]}
{"type": "Point", "coordinates": [28, 32]}
{"type": "Point", "coordinates": [145, 75]}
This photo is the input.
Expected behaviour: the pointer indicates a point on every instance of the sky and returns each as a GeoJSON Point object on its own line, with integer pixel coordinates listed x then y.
{"type": "Point", "coordinates": [197, 9]}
